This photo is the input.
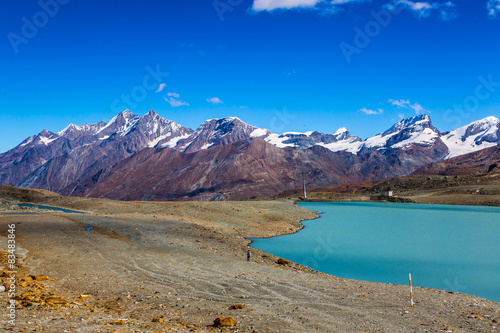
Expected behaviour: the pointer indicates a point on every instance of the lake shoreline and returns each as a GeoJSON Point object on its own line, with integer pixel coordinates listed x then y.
{"type": "Point", "coordinates": [186, 262]}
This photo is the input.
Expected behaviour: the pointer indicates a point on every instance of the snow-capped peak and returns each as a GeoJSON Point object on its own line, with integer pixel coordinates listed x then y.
{"type": "Point", "coordinates": [45, 137]}
{"type": "Point", "coordinates": [121, 123]}
{"type": "Point", "coordinates": [477, 135]}
{"type": "Point", "coordinates": [73, 130]}
{"type": "Point", "coordinates": [68, 128]}
{"type": "Point", "coordinates": [340, 131]}
{"type": "Point", "coordinates": [418, 122]}
{"type": "Point", "coordinates": [406, 132]}
{"type": "Point", "coordinates": [219, 131]}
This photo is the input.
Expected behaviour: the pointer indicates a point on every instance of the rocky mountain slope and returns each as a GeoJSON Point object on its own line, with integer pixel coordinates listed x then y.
{"type": "Point", "coordinates": [149, 157]}
{"type": "Point", "coordinates": [480, 162]}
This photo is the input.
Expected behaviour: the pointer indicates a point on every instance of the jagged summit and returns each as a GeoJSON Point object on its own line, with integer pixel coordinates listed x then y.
{"type": "Point", "coordinates": [218, 131]}
{"type": "Point", "coordinates": [417, 123]}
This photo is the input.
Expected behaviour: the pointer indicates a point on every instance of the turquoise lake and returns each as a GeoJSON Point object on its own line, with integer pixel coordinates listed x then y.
{"type": "Point", "coordinates": [455, 248]}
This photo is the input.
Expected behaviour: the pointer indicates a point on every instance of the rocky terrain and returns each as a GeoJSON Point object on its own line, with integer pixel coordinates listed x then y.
{"type": "Point", "coordinates": [181, 266]}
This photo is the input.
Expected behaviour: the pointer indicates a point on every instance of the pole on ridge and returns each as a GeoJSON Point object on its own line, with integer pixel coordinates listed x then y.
{"type": "Point", "coordinates": [304, 182]}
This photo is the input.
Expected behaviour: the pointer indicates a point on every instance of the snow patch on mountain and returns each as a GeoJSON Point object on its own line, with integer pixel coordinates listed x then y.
{"type": "Point", "coordinates": [426, 136]}
{"type": "Point", "coordinates": [259, 132]}
{"type": "Point", "coordinates": [351, 145]}
{"type": "Point", "coordinates": [154, 142]}
{"type": "Point", "coordinates": [278, 140]}
{"type": "Point", "coordinates": [27, 141]}
{"type": "Point", "coordinates": [46, 141]}
{"type": "Point", "coordinates": [172, 143]}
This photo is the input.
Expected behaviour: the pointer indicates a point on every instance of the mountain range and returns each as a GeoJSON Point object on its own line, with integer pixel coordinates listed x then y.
{"type": "Point", "coordinates": [152, 158]}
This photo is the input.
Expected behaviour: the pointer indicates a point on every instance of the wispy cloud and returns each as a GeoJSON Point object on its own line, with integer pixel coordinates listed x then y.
{"type": "Point", "coordinates": [172, 94]}
{"type": "Point", "coordinates": [270, 5]}
{"type": "Point", "coordinates": [370, 111]}
{"type": "Point", "coordinates": [493, 7]}
{"type": "Point", "coordinates": [406, 104]}
{"type": "Point", "coordinates": [446, 10]}
{"type": "Point", "coordinates": [161, 87]}
{"type": "Point", "coordinates": [214, 100]}
{"type": "Point", "coordinates": [174, 101]}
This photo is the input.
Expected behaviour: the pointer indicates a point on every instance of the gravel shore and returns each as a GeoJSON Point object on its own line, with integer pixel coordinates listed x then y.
{"type": "Point", "coordinates": [178, 266]}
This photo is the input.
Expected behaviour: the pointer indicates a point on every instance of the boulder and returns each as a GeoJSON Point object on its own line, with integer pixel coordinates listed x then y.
{"type": "Point", "coordinates": [220, 322]}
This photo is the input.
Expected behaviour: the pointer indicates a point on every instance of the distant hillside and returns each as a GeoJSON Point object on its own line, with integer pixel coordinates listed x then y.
{"type": "Point", "coordinates": [482, 161]}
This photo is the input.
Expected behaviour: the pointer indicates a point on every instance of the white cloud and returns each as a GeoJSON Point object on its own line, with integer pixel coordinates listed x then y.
{"type": "Point", "coordinates": [270, 5]}
{"type": "Point", "coordinates": [446, 10]}
{"type": "Point", "coordinates": [370, 111]}
{"type": "Point", "coordinates": [161, 87]}
{"type": "Point", "coordinates": [214, 100]}
{"type": "Point", "coordinates": [171, 94]}
{"type": "Point", "coordinates": [493, 7]}
{"type": "Point", "coordinates": [406, 104]}
{"type": "Point", "coordinates": [400, 103]}
{"type": "Point", "coordinates": [174, 101]}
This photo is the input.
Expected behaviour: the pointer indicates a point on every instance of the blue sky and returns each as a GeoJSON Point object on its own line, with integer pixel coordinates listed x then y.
{"type": "Point", "coordinates": [285, 65]}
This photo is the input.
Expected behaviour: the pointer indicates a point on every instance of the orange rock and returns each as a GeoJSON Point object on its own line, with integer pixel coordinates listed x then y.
{"type": "Point", "coordinates": [219, 322]}
{"type": "Point", "coordinates": [118, 322]}
{"type": "Point", "coordinates": [39, 277]}
{"type": "Point", "coordinates": [55, 300]}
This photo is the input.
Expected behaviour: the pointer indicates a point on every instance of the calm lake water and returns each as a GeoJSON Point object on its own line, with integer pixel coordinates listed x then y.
{"type": "Point", "coordinates": [48, 208]}
{"type": "Point", "coordinates": [455, 248]}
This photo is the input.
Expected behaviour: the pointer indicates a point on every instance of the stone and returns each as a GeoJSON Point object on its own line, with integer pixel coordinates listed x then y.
{"type": "Point", "coordinates": [158, 320]}
{"type": "Point", "coordinates": [118, 322]}
{"type": "Point", "coordinates": [237, 307]}
{"type": "Point", "coordinates": [282, 261]}
{"type": "Point", "coordinates": [55, 300]}
{"type": "Point", "coordinates": [39, 277]}
{"type": "Point", "coordinates": [220, 322]}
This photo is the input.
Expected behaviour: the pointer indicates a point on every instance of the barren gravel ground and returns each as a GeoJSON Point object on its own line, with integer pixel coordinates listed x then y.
{"type": "Point", "coordinates": [184, 264]}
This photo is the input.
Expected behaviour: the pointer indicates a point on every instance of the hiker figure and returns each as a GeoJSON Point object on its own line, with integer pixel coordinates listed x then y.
{"type": "Point", "coordinates": [248, 255]}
